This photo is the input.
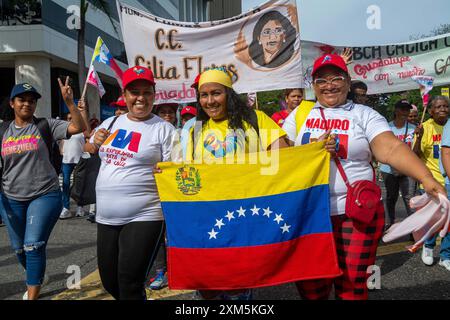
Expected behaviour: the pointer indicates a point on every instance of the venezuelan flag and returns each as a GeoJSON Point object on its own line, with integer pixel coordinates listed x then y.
{"type": "Point", "coordinates": [102, 54]}
{"type": "Point", "coordinates": [229, 227]}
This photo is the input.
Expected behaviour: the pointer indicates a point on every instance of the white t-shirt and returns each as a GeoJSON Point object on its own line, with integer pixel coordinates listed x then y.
{"type": "Point", "coordinates": [126, 188]}
{"type": "Point", "coordinates": [73, 148]}
{"type": "Point", "coordinates": [356, 126]}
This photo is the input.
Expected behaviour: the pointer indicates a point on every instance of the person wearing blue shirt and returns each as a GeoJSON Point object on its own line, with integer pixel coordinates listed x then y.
{"type": "Point", "coordinates": [393, 180]}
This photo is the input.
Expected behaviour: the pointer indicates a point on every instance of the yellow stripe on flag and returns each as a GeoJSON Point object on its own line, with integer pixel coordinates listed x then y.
{"type": "Point", "coordinates": [295, 168]}
{"type": "Point", "coordinates": [98, 46]}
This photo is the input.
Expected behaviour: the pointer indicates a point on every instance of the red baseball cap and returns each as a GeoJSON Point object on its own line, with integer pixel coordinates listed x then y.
{"type": "Point", "coordinates": [189, 110]}
{"type": "Point", "coordinates": [120, 103]}
{"type": "Point", "coordinates": [329, 60]}
{"type": "Point", "coordinates": [195, 84]}
{"type": "Point", "coordinates": [137, 73]}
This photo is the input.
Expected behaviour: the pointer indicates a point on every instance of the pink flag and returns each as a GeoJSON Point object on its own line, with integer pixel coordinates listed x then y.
{"type": "Point", "coordinates": [432, 216]}
{"type": "Point", "coordinates": [251, 99]}
{"type": "Point", "coordinates": [94, 80]}
{"type": "Point", "coordinates": [426, 84]}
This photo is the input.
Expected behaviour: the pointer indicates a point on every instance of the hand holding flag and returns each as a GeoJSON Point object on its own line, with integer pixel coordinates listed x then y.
{"type": "Point", "coordinates": [253, 230]}
{"type": "Point", "coordinates": [426, 84]}
{"type": "Point", "coordinates": [94, 80]}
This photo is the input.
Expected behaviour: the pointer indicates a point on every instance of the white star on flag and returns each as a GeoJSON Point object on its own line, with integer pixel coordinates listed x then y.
{"type": "Point", "coordinates": [267, 212]}
{"type": "Point", "coordinates": [285, 228]}
{"type": "Point", "coordinates": [212, 234]}
{"type": "Point", "coordinates": [219, 223]}
{"type": "Point", "coordinates": [278, 218]}
{"type": "Point", "coordinates": [255, 210]}
{"type": "Point", "coordinates": [230, 215]}
{"type": "Point", "coordinates": [241, 212]}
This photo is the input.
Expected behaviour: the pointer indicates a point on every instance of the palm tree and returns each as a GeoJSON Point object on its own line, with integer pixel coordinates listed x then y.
{"type": "Point", "coordinates": [84, 5]}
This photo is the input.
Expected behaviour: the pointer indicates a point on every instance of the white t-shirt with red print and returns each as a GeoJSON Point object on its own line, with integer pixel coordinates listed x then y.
{"type": "Point", "coordinates": [355, 126]}
{"type": "Point", "coordinates": [126, 188]}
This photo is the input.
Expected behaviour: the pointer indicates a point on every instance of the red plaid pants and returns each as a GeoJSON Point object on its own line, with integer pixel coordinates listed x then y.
{"type": "Point", "coordinates": [356, 246]}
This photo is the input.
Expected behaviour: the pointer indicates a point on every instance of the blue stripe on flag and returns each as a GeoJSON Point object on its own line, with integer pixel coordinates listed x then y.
{"type": "Point", "coordinates": [222, 224]}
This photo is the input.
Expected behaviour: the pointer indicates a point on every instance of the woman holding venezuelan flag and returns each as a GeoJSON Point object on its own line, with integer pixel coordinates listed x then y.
{"type": "Point", "coordinates": [358, 132]}
{"type": "Point", "coordinates": [228, 129]}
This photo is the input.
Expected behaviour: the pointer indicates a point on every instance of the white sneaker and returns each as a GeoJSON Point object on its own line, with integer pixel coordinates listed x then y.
{"type": "Point", "coordinates": [65, 214]}
{"type": "Point", "coordinates": [427, 256]}
{"type": "Point", "coordinates": [445, 264]}
{"type": "Point", "coordinates": [80, 212]}
{"type": "Point", "coordinates": [44, 282]}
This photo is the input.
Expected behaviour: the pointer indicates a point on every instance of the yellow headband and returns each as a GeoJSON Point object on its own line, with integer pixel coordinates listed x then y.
{"type": "Point", "coordinates": [217, 76]}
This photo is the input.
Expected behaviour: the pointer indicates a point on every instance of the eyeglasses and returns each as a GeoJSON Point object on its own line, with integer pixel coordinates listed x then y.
{"type": "Point", "coordinates": [336, 81]}
{"type": "Point", "coordinates": [268, 32]}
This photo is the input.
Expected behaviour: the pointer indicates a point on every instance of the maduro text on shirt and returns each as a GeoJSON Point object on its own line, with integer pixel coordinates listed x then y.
{"type": "Point", "coordinates": [229, 227]}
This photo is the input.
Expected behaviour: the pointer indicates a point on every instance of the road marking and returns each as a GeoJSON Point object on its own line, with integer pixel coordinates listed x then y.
{"type": "Point", "coordinates": [92, 289]}
{"type": "Point", "coordinates": [385, 250]}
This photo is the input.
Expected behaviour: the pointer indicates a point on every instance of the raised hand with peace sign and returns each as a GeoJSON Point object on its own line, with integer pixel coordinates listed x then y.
{"type": "Point", "coordinates": [77, 124]}
{"type": "Point", "coordinates": [66, 91]}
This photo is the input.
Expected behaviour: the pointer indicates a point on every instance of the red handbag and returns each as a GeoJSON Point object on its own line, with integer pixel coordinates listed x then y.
{"type": "Point", "coordinates": [363, 196]}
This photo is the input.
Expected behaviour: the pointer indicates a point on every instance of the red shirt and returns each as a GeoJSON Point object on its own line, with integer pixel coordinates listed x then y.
{"type": "Point", "coordinates": [279, 117]}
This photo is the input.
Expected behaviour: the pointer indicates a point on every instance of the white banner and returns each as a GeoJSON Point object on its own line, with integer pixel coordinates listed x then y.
{"type": "Point", "coordinates": [389, 68]}
{"type": "Point", "coordinates": [260, 48]}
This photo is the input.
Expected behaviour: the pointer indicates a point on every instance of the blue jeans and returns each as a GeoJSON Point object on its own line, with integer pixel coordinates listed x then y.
{"type": "Point", "coordinates": [29, 226]}
{"type": "Point", "coordinates": [445, 243]}
{"type": "Point", "coordinates": [67, 169]}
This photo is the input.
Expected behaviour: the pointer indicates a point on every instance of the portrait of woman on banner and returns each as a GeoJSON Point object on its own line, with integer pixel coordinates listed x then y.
{"type": "Point", "coordinates": [273, 40]}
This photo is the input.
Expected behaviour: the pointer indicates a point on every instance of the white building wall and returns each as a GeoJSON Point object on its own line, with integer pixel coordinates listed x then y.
{"type": "Point", "coordinates": [36, 71]}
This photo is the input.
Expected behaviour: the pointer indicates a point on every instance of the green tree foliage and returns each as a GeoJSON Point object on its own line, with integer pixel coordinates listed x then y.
{"type": "Point", "coordinates": [268, 101]}
{"type": "Point", "coordinates": [384, 103]}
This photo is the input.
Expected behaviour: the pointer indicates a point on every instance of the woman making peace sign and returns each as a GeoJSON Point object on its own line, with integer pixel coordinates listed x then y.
{"type": "Point", "coordinates": [31, 197]}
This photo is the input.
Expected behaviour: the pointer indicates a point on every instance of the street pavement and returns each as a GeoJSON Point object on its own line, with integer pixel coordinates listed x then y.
{"type": "Point", "coordinates": [73, 244]}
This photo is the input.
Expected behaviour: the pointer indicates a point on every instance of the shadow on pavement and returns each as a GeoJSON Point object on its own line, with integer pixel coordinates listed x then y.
{"type": "Point", "coordinates": [52, 252]}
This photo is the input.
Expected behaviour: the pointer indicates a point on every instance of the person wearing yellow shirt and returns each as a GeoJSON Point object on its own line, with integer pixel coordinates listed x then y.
{"type": "Point", "coordinates": [429, 135]}
{"type": "Point", "coordinates": [226, 129]}
{"type": "Point", "coordinates": [427, 147]}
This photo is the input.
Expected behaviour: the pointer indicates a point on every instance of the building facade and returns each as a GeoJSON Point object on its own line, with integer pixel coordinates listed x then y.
{"type": "Point", "coordinates": [38, 44]}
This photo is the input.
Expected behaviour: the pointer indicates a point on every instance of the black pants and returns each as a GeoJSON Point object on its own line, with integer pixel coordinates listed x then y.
{"type": "Point", "coordinates": [393, 184]}
{"type": "Point", "coordinates": [125, 255]}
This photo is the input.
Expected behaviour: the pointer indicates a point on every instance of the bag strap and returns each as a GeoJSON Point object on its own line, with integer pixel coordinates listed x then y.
{"type": "Point", "coordinates": [44, 129]}
{"type": "Point", "coordinates": [112, 123]}
{"type": "Point", "coordinates": [406, 132]}
{"type": "Point", "coordinates": [303, 111]}
{"type": "Point", "coordinates": [338, 161]}
{"type": "Point", "coordinates": [109, 129]}
{"type": "Point", "coordinates": [3, 127]}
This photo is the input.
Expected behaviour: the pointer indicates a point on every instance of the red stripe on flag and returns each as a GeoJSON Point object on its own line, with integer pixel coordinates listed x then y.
{"type": "Point", "coordinates": [116, 68]}
{"type": "Point", "coordinates": [308, 257]}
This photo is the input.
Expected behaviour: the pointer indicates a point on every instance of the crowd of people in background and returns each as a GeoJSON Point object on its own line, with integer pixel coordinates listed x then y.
{"type": "Point", "coordinates": [405, 152]}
